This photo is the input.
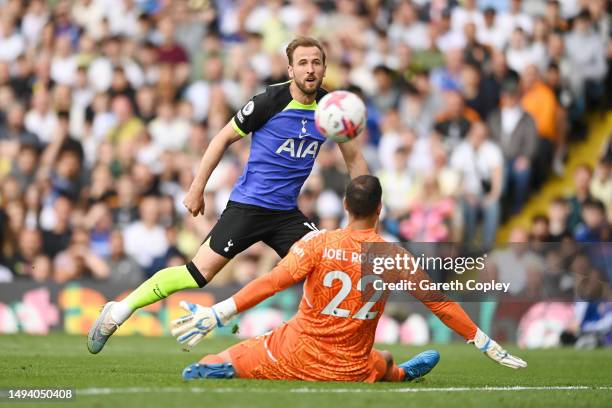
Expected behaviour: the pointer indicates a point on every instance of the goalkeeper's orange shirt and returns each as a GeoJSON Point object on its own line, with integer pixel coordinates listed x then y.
{"type": "Point", "coordinates": [331, 336]}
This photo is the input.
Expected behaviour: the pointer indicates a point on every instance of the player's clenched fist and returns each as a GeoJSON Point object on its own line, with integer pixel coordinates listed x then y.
{"type": "Point", "coordinates": [192, 328]}
{"type": "Point", "coordinates": [495, 352]}
{"type": "Point", "coordinates": [194, 202]}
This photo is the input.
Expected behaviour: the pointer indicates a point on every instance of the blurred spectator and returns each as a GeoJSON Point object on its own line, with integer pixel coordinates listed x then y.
{"type": "Point", "coordinates": [14, 129]}
{"type": "Point", "coordinates": [146, 239]}
{"type": "Point", "coordinates": [474, 51]}
{"type": "Point", "coordinates": [123, 269]}
{"type": "Point", "coordinates": [583, 174]}
{"type": "Point", "coordinates": [420, 105]}
{"type": "Point", "coordinates": [515, 17]}
{"type": "Point", "coordinates": [515, 132]}
{"type": "Point", "coordinates": [517, 265]}
{"type": "Point", "coordinates": [387, 95]}
{"type": "Point", "coordinates": [169, 132]}
{"type": "Point", "coordinates": [539, 101]}
{"type": "Point", "coordinates": [477, 91]}
{"type": "Point", "coordinates": [169, 50]}
{"type": "Point", "coordinates": [448, 78]}
{"type": "Point", "coordinates": [553, 16]}
{"type": "Point", "coordinates": [24, 167]}
{"type": "Point", "coordinates": [480, 162]}
{"type": "Point", "coordinates": [78, 261]}
{"type": "Point", "coordinates": [406, 28]}
{"type": "Point", "coordinates": [12, 43]}
{"type": "Point", "coordinates": [30, 256]}
{"type": "Point", "coordinates": [128, 126]}
{"type": "Point", "coordinates": [431, 215]}
{"type": "Point", "coordinates": [492, 33]}
{"type": "Point", "coordinates": [466, 14]}
{"type": "Point", "coordinates": [540, 230]}
{"type": "Point", "coordinates": [586, 53]}
{"type": "Point", "coordinates": [397, 184]}
{"type": "Point", "coordinates": [595, 227]}
{"type": "Point", "coordinates": [99, 223]}
{"type": "Point", "coordinates": [558, 213]}
{"type": "Point", "coordinates": [57, 237]}
{"type": "Point", "coordinates": [41, 119]}
{"type": "Point", "coordinates": [454, 122]}
{"type": "Point", "coordinates": [520, 53]}
{"type": "Point", "coordinates": [601, 184]}
{"type": "Point", "coordinates": [125, 210]}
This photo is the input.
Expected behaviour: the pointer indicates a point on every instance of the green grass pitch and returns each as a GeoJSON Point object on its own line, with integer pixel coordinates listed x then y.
{"type": "Point", "coordinates": [145, 372]}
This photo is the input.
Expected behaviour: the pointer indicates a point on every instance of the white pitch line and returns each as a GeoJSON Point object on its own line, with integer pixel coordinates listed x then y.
{"type": "Point", "coordinates": [306, 390]}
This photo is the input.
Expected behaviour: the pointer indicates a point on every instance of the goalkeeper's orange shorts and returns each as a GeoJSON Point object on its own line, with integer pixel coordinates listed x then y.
{"type": "Point", "coordinates": [253, 358]}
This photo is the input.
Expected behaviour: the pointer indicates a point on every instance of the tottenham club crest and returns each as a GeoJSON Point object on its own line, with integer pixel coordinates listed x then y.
{"type": "Point", "coordinates": [303, 130]}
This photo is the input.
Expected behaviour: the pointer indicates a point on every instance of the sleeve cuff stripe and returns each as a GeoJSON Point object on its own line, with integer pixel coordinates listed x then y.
{"type": "Point", "coordinates": [237, 129]}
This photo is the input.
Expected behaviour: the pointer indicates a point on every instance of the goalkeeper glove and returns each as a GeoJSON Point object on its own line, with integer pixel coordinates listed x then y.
{"type": "Point", "coordinates": [495, 352]}
{"type": "Point", "coordinates": [193, 327]}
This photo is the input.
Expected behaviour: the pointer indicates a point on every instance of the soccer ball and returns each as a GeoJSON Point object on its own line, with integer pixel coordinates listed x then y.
{"type": "Point", "coordinates": [340, 116]}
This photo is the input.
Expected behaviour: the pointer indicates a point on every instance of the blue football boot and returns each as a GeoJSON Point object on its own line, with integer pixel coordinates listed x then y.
{"type": "Point", "coordinates": [197, 370]}
{"type": "Point", "coordinates": [420, 364]}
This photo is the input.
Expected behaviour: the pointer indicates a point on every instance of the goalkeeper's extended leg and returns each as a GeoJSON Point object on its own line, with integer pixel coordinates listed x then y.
{"type": "Point", "coordinates": [420, 365]}
{"type": "Point", "coordinates": [416, 367]}
{"type": "Point", "coordinates": [164, 283]}
{"type": "Point", "coordinates": [211, 366]}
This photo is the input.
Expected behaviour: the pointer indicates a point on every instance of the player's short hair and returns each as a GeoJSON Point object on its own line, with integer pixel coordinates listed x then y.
{"type": "Point", "coordinates": [363, 195]}
{"type": "Point", "coordinates": [303, 42]}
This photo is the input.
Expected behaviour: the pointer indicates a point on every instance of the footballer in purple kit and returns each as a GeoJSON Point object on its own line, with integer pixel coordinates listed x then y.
{"type": "Point", "coordinates": [263, 204]}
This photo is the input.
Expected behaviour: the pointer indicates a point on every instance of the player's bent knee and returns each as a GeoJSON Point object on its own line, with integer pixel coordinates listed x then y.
{"type": "Point", "coordinates": [388, 357]}
{"type": "Point", "coordinates": [207, 262]}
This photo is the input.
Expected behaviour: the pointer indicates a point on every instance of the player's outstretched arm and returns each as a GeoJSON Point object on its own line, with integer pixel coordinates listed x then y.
{"type": "Point", "coordinates": [453, 316]}
{"type": "Point", "coordinates": [200, 320]}
{"type": "Point", "coordinates": [194, 199]}
{"type": "Point", "coordinates": [456, 319]}
{"type": "Point", "coordinates": [495, 352]}
{"type": "Point", "coordinates": [293, 268]}
{"type": "Point", "coordinates": [355, 162]}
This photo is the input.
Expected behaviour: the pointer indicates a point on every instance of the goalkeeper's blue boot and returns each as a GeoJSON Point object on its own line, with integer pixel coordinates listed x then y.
{"type": "Point", "coordinates": [197, 370]}
{"type": "Point", "coordinates": [102, 329]}
{"type": "Point", "coordinates": [420, 364]}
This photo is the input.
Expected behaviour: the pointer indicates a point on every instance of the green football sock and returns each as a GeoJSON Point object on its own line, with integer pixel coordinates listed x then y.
{"type": "Point", "coordinates": [159, 286]}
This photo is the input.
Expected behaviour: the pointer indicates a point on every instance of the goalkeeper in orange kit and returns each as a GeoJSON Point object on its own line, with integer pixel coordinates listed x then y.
{"type": "Point", "coordinates": [332, 335]}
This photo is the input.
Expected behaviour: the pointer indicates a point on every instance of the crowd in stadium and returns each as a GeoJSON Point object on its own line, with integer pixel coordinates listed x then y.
{"type": "Point", "coordinates": [106, 107]}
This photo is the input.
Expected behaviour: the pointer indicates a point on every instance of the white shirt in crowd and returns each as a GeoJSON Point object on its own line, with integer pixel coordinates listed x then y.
{"type": "Point", "coordinates": [143, 243]}
{"type": "Point", "coordinates": [32, 26]}
{"type": "Point", "coordinates": [11, 46]}
{"type": "Point", "coordinates": [519, 58]}
{"type": "Point", "coordinates": [476, 166]}
{"type": "Point", "coordinates": [460, 17]}
{"type": "Point", "coordinates": [508, 22]}
{"type": "Point", "coordinates": [198, 94]}
{"type": "Point", "coordinates": [63, 70]}
{"type": "Point", "coordinates": [90, 17]}
{"type": "Point", "coordinates": [42, 125]}
{"type": "Point", "coordinates": [513, 268]}
{"type": "Point", "coordinates": [169, 134]}
{"type": "Point", "coordinates": [415, 35]}
{"type": "Point", "coordinates": [495, 36]}
{"type": "Point", "coordinates": [100, 73]}
{"type": "Point", "coordinates": [510, 117]}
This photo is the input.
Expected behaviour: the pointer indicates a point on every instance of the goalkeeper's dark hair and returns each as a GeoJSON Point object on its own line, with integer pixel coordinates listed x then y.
{"type": "Point", "coordinates": [363, 195]}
